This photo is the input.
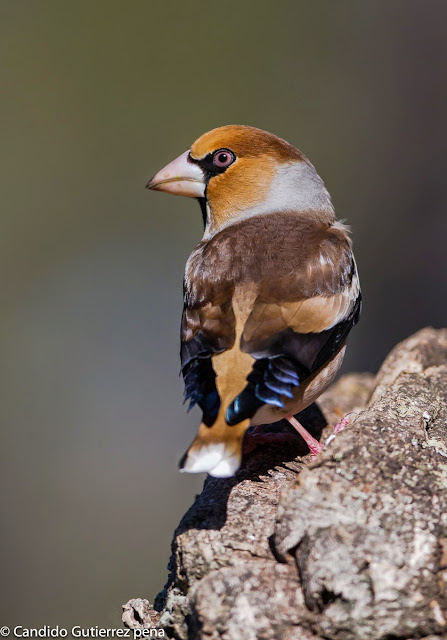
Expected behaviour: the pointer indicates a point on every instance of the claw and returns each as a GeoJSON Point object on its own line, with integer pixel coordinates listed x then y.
{"type": "Point", "coordinates": [343, 422]}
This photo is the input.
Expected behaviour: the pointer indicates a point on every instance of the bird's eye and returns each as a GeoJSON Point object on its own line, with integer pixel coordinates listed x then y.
{"type": "Point", "coordinates": [223, 158]}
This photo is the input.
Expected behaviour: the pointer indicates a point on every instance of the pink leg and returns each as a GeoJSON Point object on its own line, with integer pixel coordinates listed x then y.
{"type": "Point", "coordinates": [315, 447]}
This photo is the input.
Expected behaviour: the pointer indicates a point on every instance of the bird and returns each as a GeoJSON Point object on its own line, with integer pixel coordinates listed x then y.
{"type": "Point", "coordinates": [270, 292]}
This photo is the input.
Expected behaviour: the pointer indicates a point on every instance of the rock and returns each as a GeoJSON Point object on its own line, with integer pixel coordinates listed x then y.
{"type": "Point", "coordinates": [351, 546]}
{"type": "Point", "coordinates": [138, 614]}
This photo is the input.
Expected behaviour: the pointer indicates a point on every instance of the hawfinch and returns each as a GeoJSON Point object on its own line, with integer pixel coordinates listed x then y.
{"type": "Point", "coordinates": [270, 293]}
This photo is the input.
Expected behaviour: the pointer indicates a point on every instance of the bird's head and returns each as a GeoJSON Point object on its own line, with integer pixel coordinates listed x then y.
{"type": "Point", "coordinates": [238, 172]}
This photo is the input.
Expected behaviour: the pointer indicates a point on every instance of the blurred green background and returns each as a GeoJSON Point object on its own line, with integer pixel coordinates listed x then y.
{"type": "Point", "coordinates": [96, 95]}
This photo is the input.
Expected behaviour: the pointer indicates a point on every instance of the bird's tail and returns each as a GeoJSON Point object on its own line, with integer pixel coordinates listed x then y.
{"type": "Point", "coordinates": [216, 450]}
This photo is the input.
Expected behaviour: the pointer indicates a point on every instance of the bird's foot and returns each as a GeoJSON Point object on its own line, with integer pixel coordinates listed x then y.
{"type": "Point", "coordinates": [342, 424]}
{"type": "Point", "coordinates": [339, 427]}
{"type": "Point", "coordinates": [256, 437]}
{"type": "Point", "coordinates": [316, 447]}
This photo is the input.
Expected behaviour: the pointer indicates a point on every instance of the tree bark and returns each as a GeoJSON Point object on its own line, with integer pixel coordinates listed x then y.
{"type": "Point", "coordinates": [351, 546]}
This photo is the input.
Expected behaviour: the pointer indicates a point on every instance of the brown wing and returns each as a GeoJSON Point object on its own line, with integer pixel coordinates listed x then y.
{"type": "Point", "coordinates": [284, 305]}
{"type": "Point", "coordinates": [293, 329]}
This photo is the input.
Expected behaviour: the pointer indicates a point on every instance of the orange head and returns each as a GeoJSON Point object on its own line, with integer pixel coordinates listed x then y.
{"type": "Point", "coordinates": [238, 171]}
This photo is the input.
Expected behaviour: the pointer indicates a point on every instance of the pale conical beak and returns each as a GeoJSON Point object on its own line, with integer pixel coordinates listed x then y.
{"type": "Point", "coordinates": [181, 177]}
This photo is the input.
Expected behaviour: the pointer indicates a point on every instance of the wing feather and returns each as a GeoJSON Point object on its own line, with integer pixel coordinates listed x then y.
{"type": "Point", "coordinates": [206, 330]}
